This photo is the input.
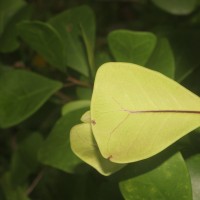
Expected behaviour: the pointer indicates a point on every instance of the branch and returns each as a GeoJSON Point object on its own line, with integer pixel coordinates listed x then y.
{"type": "Point", "coordinates": [73, 81]}
{"type": "Point", "coordinates": [35, 182]}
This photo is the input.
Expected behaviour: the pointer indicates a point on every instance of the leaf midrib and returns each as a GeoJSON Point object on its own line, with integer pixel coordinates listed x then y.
{"type": "Point", "coordinates": [162, 111]}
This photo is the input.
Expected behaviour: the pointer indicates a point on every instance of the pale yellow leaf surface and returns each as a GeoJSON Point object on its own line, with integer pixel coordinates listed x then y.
{"type": "Point", "coordinates": [137, 112]}
{"type": "Point", "coordinates": [84, 146]}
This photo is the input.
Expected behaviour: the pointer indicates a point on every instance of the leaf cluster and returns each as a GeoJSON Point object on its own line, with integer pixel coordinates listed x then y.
{"type": "Point", "coordinates": [50, 51]}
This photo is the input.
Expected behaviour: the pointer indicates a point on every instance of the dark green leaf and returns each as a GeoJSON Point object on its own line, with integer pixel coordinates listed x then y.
{"type": "Point", "coordinates": [84, 93]}
{"type": "Point", "coordinates": [101, 58]}
{"type": "Point", "coordinates": [4, 68]}
{"type": "Point", "coordinates": [8, 8]}
{"type": "Point", "coordinates": [69, 24]}
{"type": "Point", "coordinates": [109, 191]}
{"type": "Point", "coordinates": [21, 94]}
{"type": "Point", "coordinates": [162, 58]}
{"type": "Point", "coordinates": [143, 48]}
{"type": "Point", "coordinates": [185, 45]}
{"type": "Point", "coordinates": [8, 39]}
{"type": "Point", "coordinates": [24, 160]}
{"type": "Point", "coordinates": [193, 164]}
{"type": "Point", "coordinates": [45, 40]}
{"type": "Point", "coordinates": [56, 150]}
{"type": "Point", "coordinates": [192, 81]}
{"type": "Point", "coordinates": [90, 52]}
{"type": "Point", "coordinates": [56, 184]}
{"type": "Point", "coordinates": [130, 46]}
{"type": "Point", "coordinates": [10, 192]}
{"type": "Point", "coordinates": [168, 180]}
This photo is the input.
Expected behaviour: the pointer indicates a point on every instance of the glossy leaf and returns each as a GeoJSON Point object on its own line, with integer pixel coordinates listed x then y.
{"type": "Point", "coordinates": [84, 146]}
{"type": "Point", "coordinates": [69, 24]}
{"type": "Point", "coordinates": [177, 7]}
{"type": "Point", "coordinates": [45, 40]}
{"type": "Point", "coordinates": [193, 164]}
{"type": "Point", "coordinates": [169, 180]}
{"type": "Point", "coordinates": [139, 112]}
{"type": "Point", "coordinates": [56, 150]}
{"type": "Point", "coordinates": [75, 105]}
{"type": "Point", "coordinates": [22, 93]}
{"type": "Point", "coordinates": [129, 46]}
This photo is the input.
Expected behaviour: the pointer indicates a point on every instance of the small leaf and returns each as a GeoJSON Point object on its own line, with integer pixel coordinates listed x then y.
{"type": "Point", "coordinates": [68, 24]}
{"type": "Point", "coordinates": [45, 40]}
{"type": "Point", "coordinates": [86, 117]}
{"type": "Point", "coordinates": [75, 105]}
{"type": "Point", "coordinates": [131, 46]}
{"type": "Point", "coordinates": [21, 94]}
{"type": "Point", "coordinates": [169, 180]}
{"type": "Point", "coordinates": [56, 150]}
{"type": "Point", "coordinates": [193, 164]}
{"type": "Point", "coordinates": [177, 7]}
{"type": "Point", "coordinates": [84, 146]}
{"type": "Point", "coordinates": [139, 112]}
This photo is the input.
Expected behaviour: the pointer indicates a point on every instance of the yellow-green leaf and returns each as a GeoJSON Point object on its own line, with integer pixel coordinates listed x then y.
{"type": "Point", "coordinates": [75, 105]}
{"type": "Point", "coordinates": [84, 146]}
{"type": "Point", "coordinates": [138, 112]}
{"type": "Point", "coordinates": [86, 117]}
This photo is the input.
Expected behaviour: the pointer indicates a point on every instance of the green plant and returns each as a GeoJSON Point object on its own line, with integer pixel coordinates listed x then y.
{"type": "Point", "coordinates": [135, 114]}
{"type": "Point", "coordinates": [49, 56]}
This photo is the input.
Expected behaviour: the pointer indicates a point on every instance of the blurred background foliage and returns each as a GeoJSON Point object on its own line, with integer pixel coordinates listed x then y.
{"type": "Point", "coordinates": [49, 53]}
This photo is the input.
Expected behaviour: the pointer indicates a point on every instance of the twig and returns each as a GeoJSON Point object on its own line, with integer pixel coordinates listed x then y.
{"type": "Point", "coordinates": [74, 81]}
{"type": "Point", "coordinates": [35, 182]}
